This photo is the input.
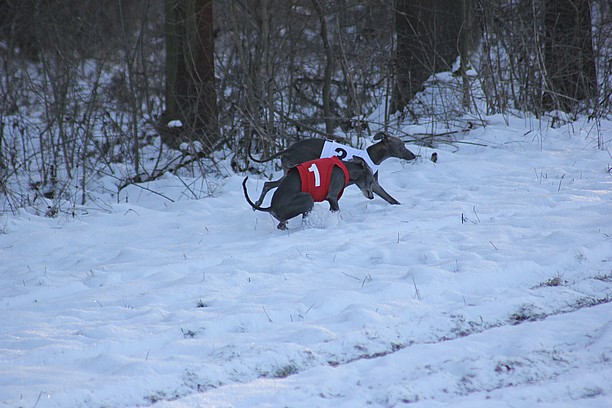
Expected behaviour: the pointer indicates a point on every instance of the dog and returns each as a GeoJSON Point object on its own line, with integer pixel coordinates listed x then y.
{"type": "Point", "coordinates": [310, 149]}
{"type": "Point", "coordinates": [315, 181]}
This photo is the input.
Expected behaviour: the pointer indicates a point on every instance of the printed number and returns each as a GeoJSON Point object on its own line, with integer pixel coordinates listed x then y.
{"type": "Point", "coordinates": [341, 153]}
{"type": "Point", "coordinates": [314, 169]}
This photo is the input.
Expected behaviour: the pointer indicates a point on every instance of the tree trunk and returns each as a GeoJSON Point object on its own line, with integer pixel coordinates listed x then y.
{"type": "Point", "coordinates": [568, 54]}
{"type": "Point", "coordinates": [427, 33]}
{"type": "Point", "coordinates": [465, 46]}
{"type": "Point", "coordinates": [329, 70]}
{"type": "Point", "coordinates": [190, 73]}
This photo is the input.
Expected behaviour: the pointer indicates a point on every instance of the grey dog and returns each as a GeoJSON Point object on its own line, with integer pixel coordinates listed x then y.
{"type": "Point", "coordinates": [310, 149]}
{"type": "Point", "coordinates": [290, 199]}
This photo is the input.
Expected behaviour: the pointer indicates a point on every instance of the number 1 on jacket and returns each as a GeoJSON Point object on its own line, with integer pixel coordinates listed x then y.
{"type": "Point", "coordinates": [314, 169]}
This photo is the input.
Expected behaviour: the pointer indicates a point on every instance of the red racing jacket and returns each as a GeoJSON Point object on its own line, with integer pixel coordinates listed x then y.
{"type": "Point", "coordinates": [316, 175]}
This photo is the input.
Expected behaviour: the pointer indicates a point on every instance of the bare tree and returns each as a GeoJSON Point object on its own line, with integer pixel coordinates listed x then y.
{"type": "Point", "coordinates": [190, 73]}
{"type": "Point", "coordinates": [568, 54]}
{"type": "Point", "coordinates": [539, 55]}
{"type": "Point", "coordinates": [329, 68]}
{"type": "Point", "coordinates": [427, 35]}
{"type": "Point", "coordinates": [469, 34]}
{"type": "Point", "coordinates": [301, 68]}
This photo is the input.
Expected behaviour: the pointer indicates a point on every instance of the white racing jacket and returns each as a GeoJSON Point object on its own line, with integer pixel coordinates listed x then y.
{"type": "Point", "coordinates": [331, 148]}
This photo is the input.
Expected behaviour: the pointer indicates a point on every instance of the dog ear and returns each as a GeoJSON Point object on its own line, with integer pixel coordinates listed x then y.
{"type": "Point", "coordinates": [380, 135]}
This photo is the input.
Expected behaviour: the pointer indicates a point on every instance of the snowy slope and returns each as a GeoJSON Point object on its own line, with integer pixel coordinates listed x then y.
{"type": "Point", "coordinates": [489, 286]}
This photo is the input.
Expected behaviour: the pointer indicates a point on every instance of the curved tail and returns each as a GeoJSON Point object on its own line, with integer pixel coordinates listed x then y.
{"type": "Point", "coordinates": [267, 159]}
{"type": "Point", "coordinates": [246, 195]}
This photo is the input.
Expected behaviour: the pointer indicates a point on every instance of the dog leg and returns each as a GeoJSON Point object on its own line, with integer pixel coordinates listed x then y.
{"type": "Point", "coordinates": [333, 205]}
{"type": "Point", "coordinates": [268, 185]}
{"type": "Point", "coordinates": [379, 191]}
{"type": "Point", "coordinates": [287, 207]}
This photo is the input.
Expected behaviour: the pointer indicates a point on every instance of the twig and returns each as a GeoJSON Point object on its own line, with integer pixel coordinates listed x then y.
{"type": "Point", "coordinates": [267, 315]}
{"type": "Point", "coordinates": [476, 214]}
{"type": "Point", "coordinates": [187, 187]}
{"type": "Point", "coordinates": [471, 143]}
{"type": "Point", "coordinates": [308, 310]}
{"type": "Point", "coordinates": [38, 399]}
{"type": "Point", "coordinates": [559, 188]}
{"type": "Point", "coordinates": [135, 183]}
{"type": "Point", "coordinates": [350, 276]}
{"type": "Point", "coordinates": [131, 210]}
{"type": "Point", "coordinates": [416, 289]}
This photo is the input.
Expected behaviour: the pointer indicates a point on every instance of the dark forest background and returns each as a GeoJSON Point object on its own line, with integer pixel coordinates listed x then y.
{"type": "Point", "coordinates": [88, 89]}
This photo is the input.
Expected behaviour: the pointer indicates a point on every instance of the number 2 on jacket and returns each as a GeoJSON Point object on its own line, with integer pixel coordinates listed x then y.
{"type": "Point", "coordinates": [314, 169]}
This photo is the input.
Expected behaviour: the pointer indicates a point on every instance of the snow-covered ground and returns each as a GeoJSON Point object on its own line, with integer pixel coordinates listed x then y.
{"type": "Point", "coordinates": [490, 286]}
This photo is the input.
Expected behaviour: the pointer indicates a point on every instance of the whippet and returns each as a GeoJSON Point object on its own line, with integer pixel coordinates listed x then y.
{"type": "Point", "coordinates": [315, 181]}
{"type": "Point", "coordinates": [310, 149]}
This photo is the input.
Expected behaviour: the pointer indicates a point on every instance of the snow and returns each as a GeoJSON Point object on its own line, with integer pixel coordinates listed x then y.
{"type": "Point", "coordinates": [490, 286]}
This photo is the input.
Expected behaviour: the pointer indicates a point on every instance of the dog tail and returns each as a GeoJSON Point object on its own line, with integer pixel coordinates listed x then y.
{"type": "Point", "coordinates": [246, 195]}
{"type": "Point", "coordinates": [267, 159]}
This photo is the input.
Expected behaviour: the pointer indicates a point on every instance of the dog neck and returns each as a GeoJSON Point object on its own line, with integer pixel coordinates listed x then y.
{"type": "Point", "coordinates": [331, 148]}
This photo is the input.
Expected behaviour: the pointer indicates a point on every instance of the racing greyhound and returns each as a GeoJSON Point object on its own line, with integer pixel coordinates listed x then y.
{"type": "Point", "coordinates": [315, 181]}
{"type": "Point", "coordinates": [310, 149]}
